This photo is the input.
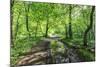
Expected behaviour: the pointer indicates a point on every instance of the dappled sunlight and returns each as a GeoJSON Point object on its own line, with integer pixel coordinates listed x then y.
{"type": "Point", "coordinates": [51, 33]}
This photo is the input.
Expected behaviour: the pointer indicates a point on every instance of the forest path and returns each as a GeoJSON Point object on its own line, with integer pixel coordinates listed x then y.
{"type": "Point", "coordinates": [42, 54]}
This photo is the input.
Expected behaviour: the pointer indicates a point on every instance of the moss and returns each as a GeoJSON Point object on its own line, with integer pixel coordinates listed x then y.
{"type": "Point", "coordinates": [21, 47]}
{"type": "Point", "coordinates": [86, 55]}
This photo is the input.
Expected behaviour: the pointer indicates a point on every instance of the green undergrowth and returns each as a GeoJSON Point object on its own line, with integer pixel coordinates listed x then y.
{"type": "Point", "coordinates": [78, 43]}
{"type": "Point", "coordinates": [57, 47]}
{"type": "Point", "coordinates": [86, 55]}
{"type": "Point", "coordinates": [73, 42]}
{"type": "Point", "coordinates": [23, 45]}
{"type": "Point", "coordinates": [82, 51]}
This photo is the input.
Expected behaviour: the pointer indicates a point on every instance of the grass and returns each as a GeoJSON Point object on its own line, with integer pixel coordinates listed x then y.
{"type": "Point", "coordinates": [21, 46]}
{"type": "Point", "coordinates": [24, 45]}
{"type": "Point", "coordinates": [83, 53]}
{"type": "Point", "coordinates": [86, 55]}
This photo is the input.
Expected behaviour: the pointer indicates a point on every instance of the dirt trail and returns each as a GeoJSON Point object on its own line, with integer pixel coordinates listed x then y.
{"type": "Point", "coordinates": [41, 54]}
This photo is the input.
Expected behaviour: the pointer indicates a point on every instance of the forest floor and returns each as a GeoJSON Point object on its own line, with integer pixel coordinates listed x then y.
{"type": "Point", "coordinates": [42, 54]}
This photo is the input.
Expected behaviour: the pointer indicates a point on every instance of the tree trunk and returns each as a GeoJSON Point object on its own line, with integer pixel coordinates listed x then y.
{"type": "Point", "coordinates": [70, 25]}
{"type": "Point", "coordinates": [66, 31]}
{"type": "Point", "coordinates": [17, 25]}
{"type": "Point", "coordinates": [89, 27]}
{"type": "Point", "coordinates": [46, 32]}
{"type": "Point", "coordinates": [11, 12]}
{"type": "Point", "coordinates": [27, 22]}
{"type": "Point", "coordinates": [36, 30]}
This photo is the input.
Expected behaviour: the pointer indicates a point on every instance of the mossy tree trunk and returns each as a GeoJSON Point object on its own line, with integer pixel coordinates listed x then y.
{"type": "Point", "coordinates": [89, 27]}
{"type": "Point", "coordinates": [70, 24]}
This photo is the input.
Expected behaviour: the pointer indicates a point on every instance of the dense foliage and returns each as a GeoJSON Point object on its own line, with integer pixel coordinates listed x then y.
{"type": "Point", "coordinates": [32, 21]}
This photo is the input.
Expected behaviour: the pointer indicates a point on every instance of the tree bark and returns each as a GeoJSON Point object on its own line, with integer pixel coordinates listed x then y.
{"type": "Point", "coordinates": [36, 30]}
{"type": "Point", "coordinates": [11, 21]}
{"type": "Point", "coordinates": [70, 25]}
{"type": "Point", "coordinates": [89, 27]}
{"type": "Point", "coordinates": [66, 31]}
{"type": "Point", "coordinates": [46, 32]}
{"type": "Point", "coordinates": [17, 25]}
{"type": "Point", "coordinates": [27, 22]}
